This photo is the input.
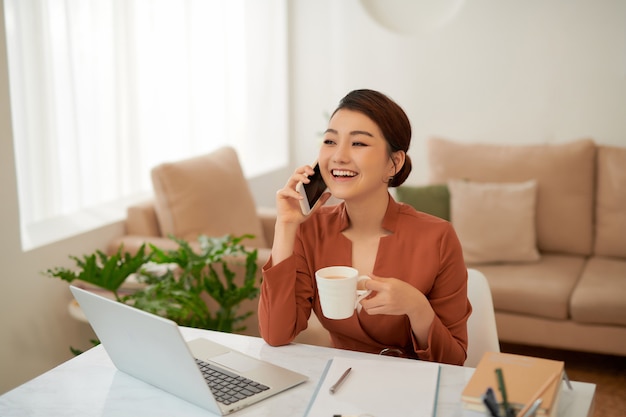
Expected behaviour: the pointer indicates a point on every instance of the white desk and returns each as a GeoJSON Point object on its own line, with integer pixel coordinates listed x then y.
{"type": "Point", "coordinates": [89, 385]}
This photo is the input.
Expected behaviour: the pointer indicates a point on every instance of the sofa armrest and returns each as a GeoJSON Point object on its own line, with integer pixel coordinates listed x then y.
{"type": "Point", "coordinates": [132, 243]}
{"type": "Point", "coordinates": [267, 215]}
{"type": "Point", "coordinates": [141, 220]}
{"type": "Point", "coordinates": [142, 226]}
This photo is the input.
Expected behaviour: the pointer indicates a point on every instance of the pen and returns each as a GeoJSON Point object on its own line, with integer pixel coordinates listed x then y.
{"type": "Point", "coordinates": [339, 381]}
{"type": "Point", "coordinates": [531, 411]}
{"type": "Point", "coordinates": [539, 393]}
{"type": "Point", "coordinates": [502, 387]}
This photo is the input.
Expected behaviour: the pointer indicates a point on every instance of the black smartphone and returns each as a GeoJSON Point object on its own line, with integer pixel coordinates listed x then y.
{"type": "Point", "coordinates": [311, 191]}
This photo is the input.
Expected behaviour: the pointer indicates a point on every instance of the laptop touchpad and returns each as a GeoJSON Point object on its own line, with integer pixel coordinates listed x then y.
{"type": "Point", "coordinates": [236, 361]}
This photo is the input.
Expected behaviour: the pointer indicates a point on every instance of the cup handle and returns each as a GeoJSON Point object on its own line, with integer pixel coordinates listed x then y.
{"type": "Point", "coordinates": [361, 294]}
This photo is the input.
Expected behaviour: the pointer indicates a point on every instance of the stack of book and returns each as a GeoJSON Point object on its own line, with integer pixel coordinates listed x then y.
{"type": "Point", "coordinates": [525, 381]}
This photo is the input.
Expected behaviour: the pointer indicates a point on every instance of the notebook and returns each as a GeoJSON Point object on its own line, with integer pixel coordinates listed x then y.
{"type": "Point", "coordinates": [152, 349]}
{"type": "Point", "coordinates": [526, 378]}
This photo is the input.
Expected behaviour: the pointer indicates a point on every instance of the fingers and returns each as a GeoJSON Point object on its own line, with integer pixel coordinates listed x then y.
{"type": "Point", "coordinates": [376, 283]}
{"type": "Point", "coordinates": [288, 192]}
{"type": "Point", "coordinates": [288, 198]}
{"type": "Point", "coordinates": [389, 296]}
{"type": "Point", "coordinates": [373, 300]}
{"type": "Point", "coordinates": [300, 175]}
{"type": "Point", "coordinates": [394, 297]}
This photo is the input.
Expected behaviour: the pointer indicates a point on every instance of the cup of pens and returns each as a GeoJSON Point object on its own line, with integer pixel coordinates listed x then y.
{"type": "Point", "coordinates": [505, 409]}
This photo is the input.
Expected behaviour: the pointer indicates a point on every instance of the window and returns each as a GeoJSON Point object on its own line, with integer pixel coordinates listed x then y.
{"type": "Point", "coordinates": [103, 90]}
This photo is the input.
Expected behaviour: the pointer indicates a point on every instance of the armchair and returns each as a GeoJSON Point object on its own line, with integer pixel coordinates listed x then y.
{"type": "Point", "coordinates": [207, 195]}
{"type": "Point", "coordinates": [202, 195]}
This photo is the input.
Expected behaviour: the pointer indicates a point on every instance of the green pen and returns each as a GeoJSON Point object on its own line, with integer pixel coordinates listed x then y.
{"type": "Point", "coordinates": [502, 387]}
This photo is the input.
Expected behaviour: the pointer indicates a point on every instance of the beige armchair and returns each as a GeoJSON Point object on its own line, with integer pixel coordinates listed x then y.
{"type": "Point", "coordinates": [203, 195]}
{"type": "Point", "coordinates": [206, 195]}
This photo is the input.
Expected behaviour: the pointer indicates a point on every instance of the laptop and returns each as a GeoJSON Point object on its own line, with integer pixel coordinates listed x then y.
{"type": "Point", "coordinates": [152, 349]}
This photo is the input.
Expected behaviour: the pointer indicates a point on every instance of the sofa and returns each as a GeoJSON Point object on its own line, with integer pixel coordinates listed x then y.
{"type": "Point", "coordinates": [546, 224]}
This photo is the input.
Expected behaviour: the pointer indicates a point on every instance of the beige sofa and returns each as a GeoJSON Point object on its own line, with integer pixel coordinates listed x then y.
{"type": "Point", "coordinates": [554, 250]}
{"type": "Point", "coordinates": [546, 224]}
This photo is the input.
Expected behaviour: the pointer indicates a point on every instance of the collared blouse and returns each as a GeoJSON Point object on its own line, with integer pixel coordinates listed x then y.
{"type": "Point", "coordinates": [421, 249]}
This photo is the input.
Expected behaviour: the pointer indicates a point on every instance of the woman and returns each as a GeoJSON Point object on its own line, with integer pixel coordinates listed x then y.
{"type": "Point", "coordinates": [418, 304]}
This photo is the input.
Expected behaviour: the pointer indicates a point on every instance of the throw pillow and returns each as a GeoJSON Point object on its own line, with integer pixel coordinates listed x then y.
{"type": "Point", "coordinates": [431, 199]}
{"type": "Point", "coordinates": [495, 222]}
{"type": "Point", "coordinates": [564, 172]}
{"type": "Point", "coordinates": [206, 195]}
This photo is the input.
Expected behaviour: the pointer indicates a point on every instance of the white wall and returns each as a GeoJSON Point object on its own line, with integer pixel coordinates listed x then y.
{"type": "Point", "coordinates": [512, 72]}
{"type": "Point", "coordinates": [499, 71]}
{"type": "Point", "coordinates": [35, 328]}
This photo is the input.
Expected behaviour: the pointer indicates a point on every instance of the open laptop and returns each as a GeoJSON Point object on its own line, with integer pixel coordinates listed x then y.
{"type": "Point", "coordinates": [152, 349]}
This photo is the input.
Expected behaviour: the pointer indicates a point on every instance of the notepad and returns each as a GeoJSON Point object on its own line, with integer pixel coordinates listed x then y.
{"type": "Point", "coordinates": [381, 386]}
{"type": "Point", "coordinates": [523, 375]}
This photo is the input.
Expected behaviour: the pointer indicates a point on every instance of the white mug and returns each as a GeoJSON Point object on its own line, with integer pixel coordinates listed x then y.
{"type": "Point", "coordinates": [337, 290]}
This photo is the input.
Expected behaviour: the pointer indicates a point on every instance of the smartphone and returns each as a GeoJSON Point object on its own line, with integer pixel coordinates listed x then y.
{"type": "Point", "coordinates": [311, 191]}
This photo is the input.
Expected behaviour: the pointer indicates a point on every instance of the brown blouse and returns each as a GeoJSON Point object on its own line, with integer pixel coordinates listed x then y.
{"type": "Point", "coordinates": [422, 250]}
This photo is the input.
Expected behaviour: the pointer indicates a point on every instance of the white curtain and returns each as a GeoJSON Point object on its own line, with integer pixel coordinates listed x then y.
{"type": "Point", "coordinates": [103, 90]}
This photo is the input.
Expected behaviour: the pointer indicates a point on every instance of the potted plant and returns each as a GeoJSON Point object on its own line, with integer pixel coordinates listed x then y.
{"type": "Point", "coordinates": [183, 283]}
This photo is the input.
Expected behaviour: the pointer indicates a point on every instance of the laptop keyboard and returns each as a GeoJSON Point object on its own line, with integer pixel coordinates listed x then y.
{"type": "Point", "coordinates": [228, 388]}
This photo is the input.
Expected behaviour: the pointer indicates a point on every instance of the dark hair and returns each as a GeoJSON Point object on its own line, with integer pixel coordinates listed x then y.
{"type": "Point", "coordinates": [390, 118]}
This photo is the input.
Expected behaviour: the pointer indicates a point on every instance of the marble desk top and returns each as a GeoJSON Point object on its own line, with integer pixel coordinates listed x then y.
{"type": "Point", "coordinates": [89, 385]}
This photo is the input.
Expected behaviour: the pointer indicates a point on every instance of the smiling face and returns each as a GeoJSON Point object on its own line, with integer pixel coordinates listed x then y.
{"type": "Point", "coordinates": [354, 157]}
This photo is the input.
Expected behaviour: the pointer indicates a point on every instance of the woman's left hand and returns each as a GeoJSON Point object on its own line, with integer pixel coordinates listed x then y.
{"type": "Point", "coordinates": [393, 296]}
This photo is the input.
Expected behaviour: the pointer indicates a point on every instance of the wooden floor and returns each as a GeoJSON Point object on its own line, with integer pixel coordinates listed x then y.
{"type": "Point", "coordinates": [606, 371]}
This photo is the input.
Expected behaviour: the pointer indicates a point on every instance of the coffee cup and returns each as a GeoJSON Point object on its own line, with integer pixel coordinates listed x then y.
{"type": "Point", "coordinates": [340, 291]}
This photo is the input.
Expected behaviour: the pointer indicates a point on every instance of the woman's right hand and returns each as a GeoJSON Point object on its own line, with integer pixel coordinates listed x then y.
{"type": "Point", "coordinates": [289, 214]}
{"type": "Point", "coordinates": [288, 199]}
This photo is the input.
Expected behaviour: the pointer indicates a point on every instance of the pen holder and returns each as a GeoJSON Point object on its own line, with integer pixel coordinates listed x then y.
{"type": "Point", "coordinates": [497, 409]}
{"type": "Point", "coordinates": [513, 412]}
{"type": "Point", "coordinates": [502, 413]}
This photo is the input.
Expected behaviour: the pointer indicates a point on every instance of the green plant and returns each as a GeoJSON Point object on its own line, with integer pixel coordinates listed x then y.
{"type": "Point", "coordinates": [179, 289]}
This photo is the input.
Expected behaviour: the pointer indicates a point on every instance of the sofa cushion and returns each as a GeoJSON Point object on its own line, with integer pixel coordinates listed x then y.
{"type": "Point", "coordinates": [540, 289]}
{"type": "Point", "coordinates": [599, 297]}
{"type": "Point", "coordinates": [206, 195]}
{"type": "Point", "coordinates": [432, 199]}
{"type": "Point", "coordinates": [611, 202]}
{"type": "Point", "coordinates": [565, 183]}
{"type": "Point", "coordinates": [495, 222]}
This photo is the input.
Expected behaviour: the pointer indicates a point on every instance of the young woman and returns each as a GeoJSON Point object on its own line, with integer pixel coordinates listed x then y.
{"type": "Point", "coordinates": [419, 304]}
